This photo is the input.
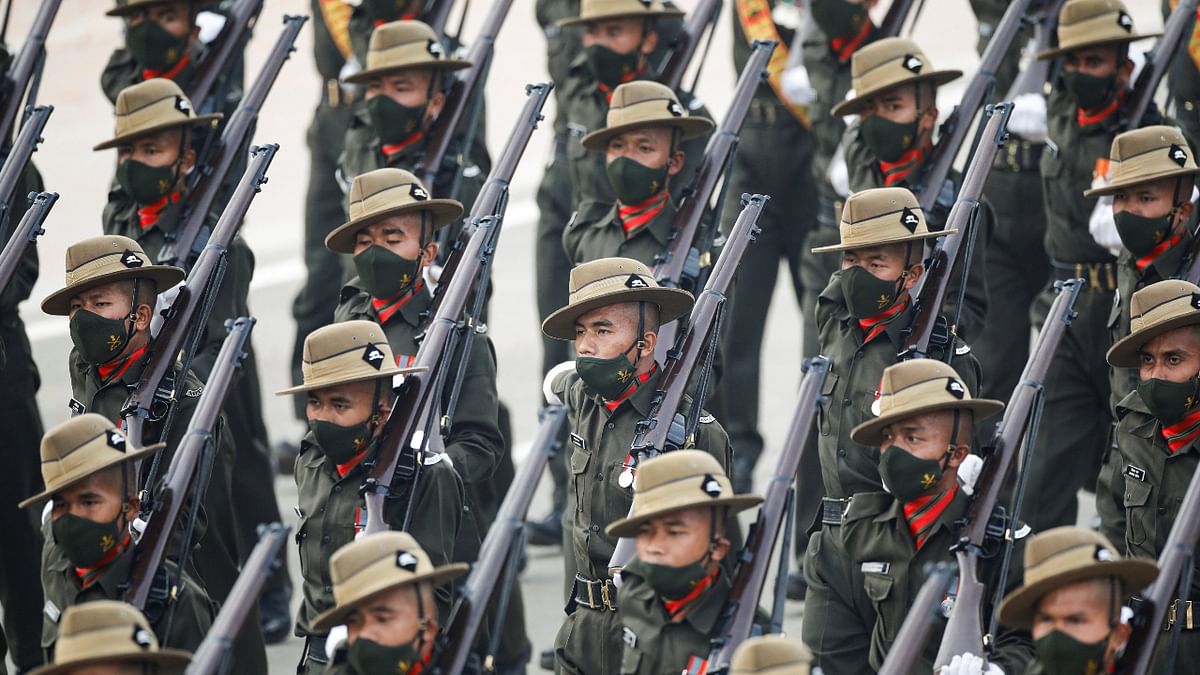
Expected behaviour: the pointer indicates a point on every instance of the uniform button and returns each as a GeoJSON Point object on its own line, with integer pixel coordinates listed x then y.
{"type": "Point", "coordinates": [595, 528]}
{"type": "Point", "coordinates": [321, 510]}
{"type": "Point", "coordinates": [1162, 510]}
{"type": "Point", "coordinates": [845, 402]}
{"type": "Point", "coordinates": [325, 539]}
{"type": "Point", "coordinates": [337, 488]}
{"type": "Point", "coordinates": [610, 425]}
{"type": "Point", "coordinates": [329, 589]}
{"type": "Point", "coordinates": [841, 452]}
{"type": "Point", "coordinates": [599, 476]}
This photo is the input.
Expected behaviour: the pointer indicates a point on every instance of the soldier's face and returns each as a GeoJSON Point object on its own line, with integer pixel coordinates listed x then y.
{"type": "Point", "coordinates": [97, 498]}
{"type": "Point", "coordinates": [344, 404]}
{"type": "Point", "coordinates": [648, 147]}
{"type": "Point", "coordinates": [410, 87]}
{"type": "Point", "coordinates": [399, 234]}
{"type": "Point", "coordinates": [110, 669]}
{"type": "Point", "coordinates": [928, 436]}
{"type": "Point", "coordinates": [1094, 61]}
{"type": "Point", "coordinates": [608, 331]}
{"type": "Point", "coordinates": [1173, 356]}
{"type": "Point", "coordinates": [1081, 610]}
{"type": "Point", "coordinates": [885, 262]}
{"type": "Point", "coordinates": [898, 104]}
{"type": "Point", "coordinates": [111, 301]}
{"type": "Point", "coordinates": [391, 618]}
{"type": "Point", "coordinates": [157, 149]}
{"type": "Point", "coordinates": [1155, 199]}
{"type": "Point", "coordinates": [173, 16]}
{"type": "Point", "coordinates": [620, 35]}
{"type": "Point", "coordinates": [679, 539]}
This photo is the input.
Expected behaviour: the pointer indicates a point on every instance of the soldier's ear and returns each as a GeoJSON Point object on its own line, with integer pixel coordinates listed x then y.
{"type": "Point", "coordinates": [675, 165]}
{"type": "Point", "coordinates": [650, 43]}
{"type": "Point", "coordinates": [914, 274]}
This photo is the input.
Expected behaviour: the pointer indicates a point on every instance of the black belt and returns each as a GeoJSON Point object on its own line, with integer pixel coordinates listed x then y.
{"type": "Point", "coordinates": [1181, 612]}
{"type": "Point", "coordinates": [1097, 276]}
{"type": "Point", "coordinates": [1019, 156]}
{"type": "Point", "coordinates": [833, 511]}
{"type": "Point", "coordinates": [598, 594]}
{"type": "Point", "coordinates": [767, 113]}
{"type": "Point", "coordinates": [314, 651]}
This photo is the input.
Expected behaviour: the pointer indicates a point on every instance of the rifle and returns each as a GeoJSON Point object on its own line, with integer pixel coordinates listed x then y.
{"type": "Point", "coordinates": [964, 630]}
{"type": "Point", "coordinates": [914, 632]}
{"type": "Point", "coordinates": [700, 20]}
{"type": "Point", "coordinates": [931, 292]}
{"type": "Point", "coordinates": [187, 461]}
{"type": "Point", "coordinates": [214, 655]}
{"type": "Point", "coordinates": [1158, 59]}
{"type": "Point", "coordinates": [184, 247]}
{"type": "Point", "coordinates": [953, 131]}
{"type": "Point", "coordinates": [26, 69]}
{"type": "Point", "coordinates": [18, 156]}
{"type": "Point", "coordinates": [896, 15]}
{"type": "Point", "coordinates": [239, 22]}
{"type": "Point", "coordinates": [436, 16]}
{"type": "Point", "coordinates": [154, 399]}
{"type": "Point", "coordinates": [1032, 79]}
{"type": "Point", "coordinates": [26, 234]}
{"type": "Point", "coordinates": [408, 428]}
{"type": "Point", "coordinates": [665, 427]}
{"type": "Point", "coordinates": [737, 618]}
{"type": "Point", "coordinates": [499, 547]}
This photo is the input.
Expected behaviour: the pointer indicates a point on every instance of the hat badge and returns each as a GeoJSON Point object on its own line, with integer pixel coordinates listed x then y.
{"type": "Point", "coordinates": [131, 259]}
{"type": "Point", "coordinates": [674, 109]}
{"type": "Point", "coordinates": [909, 219]}
{"type": "Point", "coordinates": [1195, 301]}
{"type": "Point", "coordinates": [141, 637]}
{"type": "Point", "coordinates": [183, 105]}
{"type": "Point", "coordinates": [955, 388]}
{"type": "Point", "coordinates": [115, 440]}
{"type": "Point", "coordinates": [434, 47]}
{"type": "Point", "coordinates": [711, 486]}
{"type": "Point", "coordinates": [1103, 554]}
{"type": "Point", "coordinates": [418, 193]}
{"type": "Point", "coordinates": [406, 561]}
{"type": "Point", "coordinates": [913, 63]}
{"type": "Point", "coordinates": [634, 281]}
{"type": "Point", "coordinates": [373, 356]}
{"type": "Point", "coordinates": [1177, 154]}
{"type": "Point", "coordinates": [1125, 21]}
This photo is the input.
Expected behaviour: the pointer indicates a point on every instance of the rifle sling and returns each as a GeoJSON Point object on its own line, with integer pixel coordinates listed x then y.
{"type": "Point", "coordinates": [757, 24]}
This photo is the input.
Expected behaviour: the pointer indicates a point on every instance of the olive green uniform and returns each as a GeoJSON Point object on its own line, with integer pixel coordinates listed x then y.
{"type": "Point", "coordinates": [654, 644]}
{"type": "Point", "coordinates": [880, 544]}
{"type": "Point", "coordinates": [1138, 497]}
{"type": "Point", "coordinates": [1183, 81]}
{"type": "Point", "coordinates": [597, 233]}
{"type": "Point", "coordinates": [840, 616]}
{"type": "Point", "coordinates": [589, 641]}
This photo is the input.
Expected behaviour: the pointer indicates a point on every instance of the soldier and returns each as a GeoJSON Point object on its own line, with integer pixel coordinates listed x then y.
{"type": "Point", "coordinates": [1075, 585]}
{"type": "Point", "coordinates": [109, 638]}
{"type": "Point", "coordinates": [614, 310]}
{"type": "Point", "coordinates": [861, 318]}
{"type": "Point", "coordinates": [91, 482]}
{"type": "Point", "coordinates": [384, 585]}
{"type": "Point", "coordinates": [641, 144]}
{"type": "Point", "coordinates": [673, 593]}
{"type": "Point", "coordinates": [1085, 115]}
{"type": "Point", "coordinates": [926, 419]}
{"type": "Point", "coordinates": [1156, 452]}
{"type": "Point", "coordinates": [348, 372]}
{"type": "Point", "coordinates": [773, 654]}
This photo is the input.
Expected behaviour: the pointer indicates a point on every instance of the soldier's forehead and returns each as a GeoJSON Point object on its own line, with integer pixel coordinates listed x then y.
{"type": "Point", "coordinates": [618, 314]}
{"type": "Point", "coordinates": [644, 133]}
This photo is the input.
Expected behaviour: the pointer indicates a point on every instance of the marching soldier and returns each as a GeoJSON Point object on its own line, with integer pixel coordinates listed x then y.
{"type": "Point", "coordinates": [924, 428]}
{"type": "Point", "coordinates": [1075, 585]}
{"type": "Point", "coordinates": [348, 372]}
{"type": "Point", "coordinates": [1084, 115]}
{"type": "Point", "coordinates": [384, 586]}
{"type": "Point", "coordinates": [104, 637]}
{"type": "Point", "coordinates": [674, 591]}
{"type": "Point", "coordinates": [641, 143]}
{"type": "Point", "coordinates": [613, 315]}
{"type": "Point", "coordinates": [861, 319]}
{"type": "Point", "coordinates": [1156, 452]}
{"type": "Point", "coordinates": [91, 482]}
{"type": "Point", "coordinates": [773, 654]}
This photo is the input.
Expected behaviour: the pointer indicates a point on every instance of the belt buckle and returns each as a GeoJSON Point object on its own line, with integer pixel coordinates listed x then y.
{"type": "Point", "coordinates": [333, 92]}
{"type": "Point", "coordinates": [591, 594]}
{"type": "Point", "coordinates": [1171, 615]}
{"type": "Point", "coordinates": [607, 599]}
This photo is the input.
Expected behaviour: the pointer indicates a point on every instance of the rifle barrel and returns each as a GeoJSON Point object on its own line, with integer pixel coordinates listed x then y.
{"type": "Point", "coordinates": [22, 149]}
{"type": "Point", "coordinates": [896, 15]}
{"type": "Point", "coordinates": [1158, 60]}
{"type": "Point", "coordinates": [699, 20]}
{"type": "Point", "coordinates": [239, 22]}
{"type": "Point", "coordinates": [26, 234]}
{"type": "Point", "coordinates": [914, 632]}
{"type": "Point", "coordinates": [21, 71]}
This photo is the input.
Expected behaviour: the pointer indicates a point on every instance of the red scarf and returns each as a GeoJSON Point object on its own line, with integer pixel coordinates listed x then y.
{"type": "Point", "coordinates": [607, 91]}
{"type": "Point", "coordinates": [894, 172]}
{"type": "Point", "coordinates": [873, 326]}
{"type": "Point", "coordinates": [391, 150]}
{"type": "Point", "coordinates": [1148, 260]}
{"type": "Point", "coordinates": [1182, 433]}
{"type": "Point", "coordinates": [844, 47]}
{"type": "Point", "coordinates": [386, 309]}
{"type": "Point", "coordinates": [676, 608]}
{"type": "Point", "coordinates": [1086, 118]}
{"type": "Point", "coordinates": [922, 512]}
{"type": "Point", "coordinates": [635, 216]}
{"type": "Point", "coordinates": [89, 575]}
{"type": "Point", "coordinates": [148, 215]}
{"type": "Point", "coordinates": [115, 369]}
{"type": "Point", "coordinates": [343, 469]}
{"type": "Point", "coordinates": [170, 73]}
{"type": "Point", "coordinates": [616, 403]}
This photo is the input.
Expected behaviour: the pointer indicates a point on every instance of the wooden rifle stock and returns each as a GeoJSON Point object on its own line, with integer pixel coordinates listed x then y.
{"type": "Point", "coordinates": [1158, 60]}
{"type": "Point", "coordinates": [914, 632]}
{"type": "Point", "coordinates": [931, 291]}
{"type": "Point", "coordinates": [663, 429]}
{"type": "Point", "coordinates": [964, 630]}
{"type": "Point", "coordinates": [186, 246]}
{"type": "Point", "coordinates": [896, 15]}
{"type": "Point", "coordinates": [185, 464]}
{"type": "Point", "coordinates": [18, 156]}
{"type": "Point", "coordinates": [24, 68]}
{"type": "Point", "coordinates": [701, 19]}
{"type": "Point", "coordinates": [189, 312]}
{"type": "Point", "coordinates": [737, 618]}
{"type": "Point", "coordinates": [495, 552]}
{"type": "Point", "coordinates": [26, 234]}
{"type": "Point", "coordinates": [229, 44]}
{"type": "Point", "coordinates": [214, 655]}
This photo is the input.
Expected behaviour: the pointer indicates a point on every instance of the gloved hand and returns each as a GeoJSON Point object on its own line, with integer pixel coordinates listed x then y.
{"type": "Point", "coordinates": [796, 86]}
{"type": "Point", "coordinates": [210, 25]}
{"type": "Point", "coordinates": [839, 175]}
{"type": "Point", "coordinates": [969, 664]}
{"type": "Point", "coordinates": [547, 384]}
{"type": "Point", "coordinates": [161, 306]}
{"type": "Point", "coordinates": [335, 637]}
{"type": "Point", "coordinates": [1028, 118]}
{"type": "Point", "coordinates": [968, 472]}
{"type": "Point", "coordinates": [1103, 228]}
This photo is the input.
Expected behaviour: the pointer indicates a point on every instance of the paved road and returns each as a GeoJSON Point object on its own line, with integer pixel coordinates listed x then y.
{"type": "Point", "coordinates": [78, 46]}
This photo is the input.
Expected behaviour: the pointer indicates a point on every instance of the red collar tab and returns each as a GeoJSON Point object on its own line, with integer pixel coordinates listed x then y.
{"type": "Point", "coordinates": [634, 217]}
{"type": "Point", "coordinates": [639, 380]}
{"type": "Point", "coordinates": [88, 575]}
{"type": "Point", "coordinates": [1087, 118]}
{"type": "Point", "coordinates": [627, 77]}
{"type": "Point", "coordinates": [1148, 259]}
{"type": "Point", "coordinates": [148, 215]}
{"type": "Point", "coordinates": [676, 608]}
{"type": "Point", "coordinates": [397, 148]}
{"type": "Point", "coordinates": [897, 171]}
{"type": "Point", "coordinates": [170, 73]}
{"type": "Point", "coordinates": [922, 512]}
{"type": "Point", "coordinates": [873, 326]}
{"type": "Point", "coordinates": [844, 47]}
{"type": "Point", "coordinates": [115, 369]}
{"type": "Point", "coordinates": [1182, 433]}
{"type": "Point", "coordinates": [386, 309]}
{"type": "Point", "coordinates": [343, 469]}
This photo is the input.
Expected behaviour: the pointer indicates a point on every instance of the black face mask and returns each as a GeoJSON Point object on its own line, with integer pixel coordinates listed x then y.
{"type": "Point", "coordinates": [1089, 91]}
{"type": "Point", "coordinates": [907, 476]}
{"type": "Point", "coordinates": [385, 274]}
{"type": "Point", "coordinates": [386, 11]}
{"type": "Point", "coordinates": [1142, 235]}
{"type": "Point", "coordinates": [393, 122]}
{"type": "Point", "coordinates": [867, 295]}
{"type": "Point", "coordinates": [153, 47]}
{"type": "Point", "coordinates": [99, 340]}
{"type": "Point", "coordinates": [85, 542]}
{"type": "Point", "coordinates": [1169, 401]}
{"type": "Point", "coordinates": [1062, 654]}
{"type": "Point", "coordinates": [887, 139]}
{"type": "Point", "coordinates": [341, 444]}
{"type": "Point", "coordinates": [837, 18]}
{"type": "Point", "coordinates": [635, 182]}
{"type": "Point", "coordinates": [610, 68]}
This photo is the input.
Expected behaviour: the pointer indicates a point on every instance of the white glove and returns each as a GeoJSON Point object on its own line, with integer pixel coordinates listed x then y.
{"type": "Point", "coordinates": [1028, 118]}
{"type": "Point", "coordinates": [839, 175]}
{"type": "Point", "coordinates": [210, 25]}
{"type": "Point", "coordinates": [796, 86]}
{"type": "Point", "coordinates": [548, 383]}
{"type": "Point", "coordinates": [1103, 228]}
{"type": "Point", "coordinates": [349, 68]}
{"type": "Point", "coordinates": [968, 472]}
{"type": "Point", "coordinates": [969, 664]}
{"type": "Point", "coordinates": [161, 306]}
{"type": "Point", "coordinates": [432, 274]}
{"type": "Point", "coordinates": [1139, 61]}
{"type": "Point", "coordinates": [336, 635]}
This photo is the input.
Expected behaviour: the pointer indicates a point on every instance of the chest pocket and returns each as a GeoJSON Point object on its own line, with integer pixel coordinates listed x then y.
{"type": "Point", "coordinates": [879, 589]}
{"type": "Point", "coordinates": [1139, 514]}
{"type": "Point", "coordinates": [1051, 165]}
{"type": "Point", "coordinates": [631, 660]}
{"type": "Point", "coordinates": [827, 402]}
{"type": "Point", "coordinates": [1114, 316]}
{"type": "Point", "coordinates": [301, 540]}
{"type": "Point", "coordinates": [580, 459]}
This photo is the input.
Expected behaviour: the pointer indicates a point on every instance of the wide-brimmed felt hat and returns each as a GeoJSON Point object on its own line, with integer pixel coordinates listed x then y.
{"type": "Point", "coordinates": [377, 563]}
{"type": "Point", "coordinates": [127, 7]}
{"type": "Point", "coordinates": [888, 63]}
{"type": "Point", "coordinates": [598, 10]}
{"type": "Point", "coordinates": [384, 193]}
{"type": "Point", "coordinates": [151, 106]}
{"type": "Point", "coordinates": [404, 44]}
{"type": "Point", "coordinates": [81, 447]}
{"type": "Point", "coordinates": [644, 104]}
{"type": "Point", "coordinates": [1154, 310]}
{"type": "Point", "coordinates": [881, 216]}
{"type": "Point", "coordinates": [771, 655]}
{"type": "Point", "coordinates": [341, 353]}
{"type": "Point", "coordinates": [1093, 23]}
{"type": "Point", "coordinates": [104, 260]}
{"type": "Point", "coordinates": [108, 631]}
{"type": "Point", "coordinates": [1064, 555]}
{"type": "Point", "coordinates": [916, 387]}
{"type": "Point", "coordinates": [610, 281]}
{"type": "Point", "coordinates": [1145, 155]}
{"type": "Point", "coordinates": [675, 481]}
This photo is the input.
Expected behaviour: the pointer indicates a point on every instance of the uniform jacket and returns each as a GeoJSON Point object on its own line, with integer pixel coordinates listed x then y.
{"type": "Point", "coordinates": [595, 233]}
{"type": "Point", "coordinates": [653, 643]}
{"type": "Point", "coordinates": [831, 80]}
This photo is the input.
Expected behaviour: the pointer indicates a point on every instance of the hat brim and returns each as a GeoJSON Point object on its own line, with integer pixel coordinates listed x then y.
{"type": "Point", "coordinates": [337, 615]}
{"type": "Point", "coordinates": [870, 433]}
{"type": "Point", "coordinates": [199, 120]}
{"type": "Point", "coordinates": [1124, 353]}
{"type": "Point", "coordinates": [1104, 42]}
{"type": "Point", "coordinates": [364, 377]}
{"type": "Point", "coordinates": [579, 20]}
{"type": "Point", "coordinates": [447, 65]}
{"type": "Point", "coordinates": [853, 106]}
{"type": "Point", "coordinates": [445, 211]}
{"type": "Point", "coordinates": [836, 248]}
{"type": "Point", "coordinates": [174, 660]}
{"type": "Point", "coordinates": [1116, 186]}
{"type": "Point", "coordinates": [123, 459]}
{"type": "Point", "coordinates": [672, 304]}
{"type": "Point", "coordinates": [1017, 610]}
{"type": "Point", "coordinates": [689, 127]}
{"type": "Point", "coordinates": [58, 303]}
{"type": "Point", "coordinates": [127, 10]}
{"type": "Point", "coordinates": [628, 526]}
